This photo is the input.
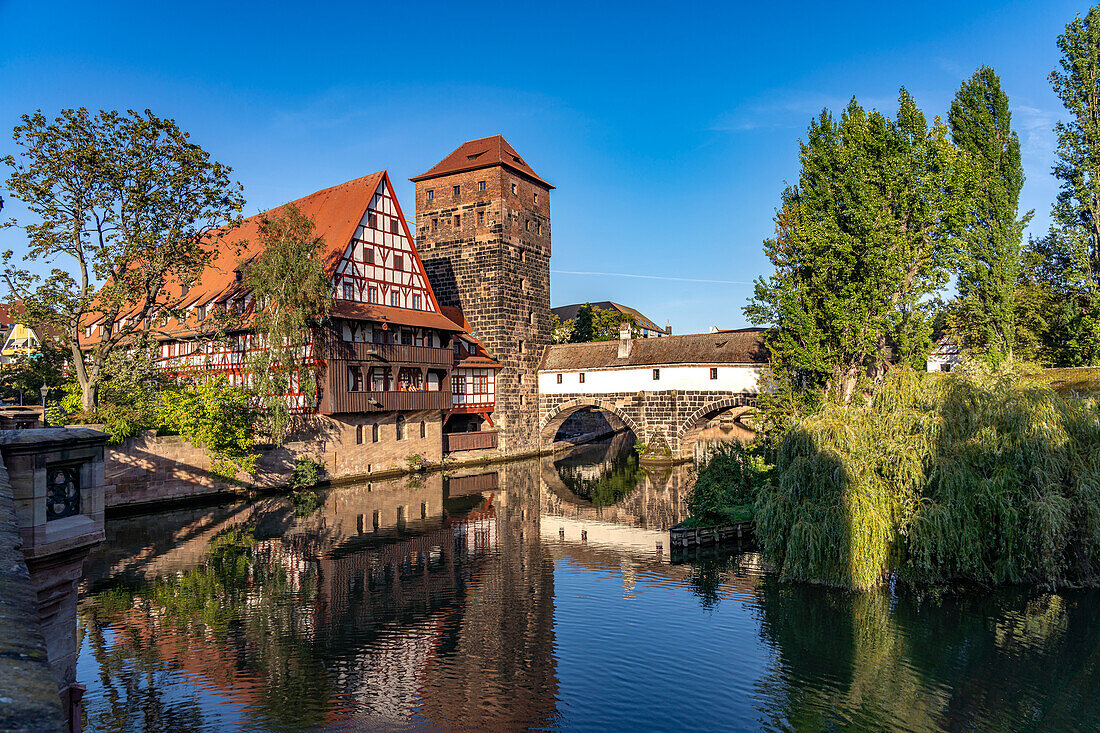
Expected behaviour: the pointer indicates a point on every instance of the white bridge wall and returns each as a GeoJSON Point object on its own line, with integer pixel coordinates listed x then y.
{"type": "Point", "coordinates": [733, 378]}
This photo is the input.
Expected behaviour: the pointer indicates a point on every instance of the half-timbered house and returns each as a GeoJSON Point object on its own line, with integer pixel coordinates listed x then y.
{"type": "Point", "coordinates": [392, 365]}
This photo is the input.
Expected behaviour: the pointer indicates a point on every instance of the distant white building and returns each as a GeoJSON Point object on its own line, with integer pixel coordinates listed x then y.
{"type": "Point", "coordinates": [945, 356]}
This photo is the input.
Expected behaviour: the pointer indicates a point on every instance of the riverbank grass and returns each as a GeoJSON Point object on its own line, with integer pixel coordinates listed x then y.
{"type": "Point", "coordinates": [971, 476]}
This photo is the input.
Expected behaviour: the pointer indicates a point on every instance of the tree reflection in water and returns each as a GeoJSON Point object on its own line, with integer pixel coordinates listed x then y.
{"type": "Point", "coordinates": [997, 660]}
{"type": "Point", "coordinates": [604, 483]}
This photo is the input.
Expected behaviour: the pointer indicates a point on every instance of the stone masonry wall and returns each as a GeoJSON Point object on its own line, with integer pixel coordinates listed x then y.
{"type": "Point", "coordinates": [495, 266]}
{"type": "Point", "coordinates": [658, 419]}
{"type": "Point", "coordinates": [151, 468]}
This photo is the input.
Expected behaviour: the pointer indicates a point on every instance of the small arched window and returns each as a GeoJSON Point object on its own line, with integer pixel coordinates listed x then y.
{"type": "Point", "coordinates": [358, 434]}
{"type": "Point", "coordinates": [400, 427]}
{"type": "Point", "coordinates": [374, 433]}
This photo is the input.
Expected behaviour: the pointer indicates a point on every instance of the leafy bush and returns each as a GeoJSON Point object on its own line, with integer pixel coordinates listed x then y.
{"type": "Point", "coordinates": [727, 482]}
{"type": "Point", "coordinates": [214, 415]}
{"type": "Point", "coordinates": [974, 475]}
{"type": "Point", "coordinates": [307, 472]}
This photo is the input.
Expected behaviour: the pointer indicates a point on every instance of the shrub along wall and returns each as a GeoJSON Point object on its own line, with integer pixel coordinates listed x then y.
{"type": "Point", "coordinates": [966, 476]}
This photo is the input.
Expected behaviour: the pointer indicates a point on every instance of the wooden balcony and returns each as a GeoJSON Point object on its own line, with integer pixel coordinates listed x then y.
{"type": "Point", "coordinates": [391, 354]}
{"type": "Point", "coordinates": [343, 401]}
{"type": "Point", "coordinates": [481, 440]}
{"type": "Point", "coordinates": [459, 485]}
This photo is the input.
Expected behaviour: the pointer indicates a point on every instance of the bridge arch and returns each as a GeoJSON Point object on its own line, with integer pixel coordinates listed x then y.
{"type": "Point", "coordinates": [720, 405]}
{"type": "Point", "coordinates": [557, 415]}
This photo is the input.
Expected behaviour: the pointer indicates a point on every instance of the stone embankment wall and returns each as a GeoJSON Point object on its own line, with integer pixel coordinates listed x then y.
{"type": "Point", "coordinates": [29, 698]}
{"type": "Point", "coordinates": [150, 468]}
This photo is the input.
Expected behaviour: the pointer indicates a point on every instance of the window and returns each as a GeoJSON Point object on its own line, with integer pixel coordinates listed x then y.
{"type": "Point", "coordinates": [538, 227]}
{"type": "Point", "coordinates": [368, 255]}
{"type": "Point", "coordinates": [435, 224]}
{"type": "Point", "coordinates": [358, 434]}
{"type": "Point", "coordinates": [398, 262]}
{"type": "Point", "coordinates": [581, 380]}
{"type": "Point", "coordinates": [372, 295]}
{"type": "Point", "coordinates": [400, 427]}
{"type": "Point", "coordinates": [534, 320]}
{"type": "Point", "coordinates": [379, 379]}
{"type": "Point", "coordinates": [423, 510]}
{"type": "Point", "coordinates": [406, 337]}
{"type": "Point", "coordinates": [559, 379]}
{"type": "Point", "coordinates": [481, 185]}
{"type": "Point", "coordinates": [416, 302]}
{"type": "Point", "coordinates": [458, 220]}
{"type": "Point", "coordinates": [423, 429]}
{"type": "Point", "coordinates": [714, 372]}
{"type": "Point", "coordinates": [431, 194]}
{"type": "Point", "coordinates": [349, 291]}
{"type": "Point", "coordinates": [656, 374]}
{"type": "Point", "coordinates": [395, 299]}
{"type": "Point", "coordinates": [393, 226]}
{"type": "Point", "coordinates": [536, 197]}
{"type": "Point", "coordinates": [513, 189]}
{"type": "Point", "coordinates": [372, 221]}
{"type": "Point", "coordinates": [458, 384]}
{"type": "Point", "coordinates": [481, 217]}
{"type": "Point", "coordinates": [455, 190]}
{"type": "Point", "coordinates": [527, 225]}
{"type": "Point", "coordinates": [521, 346]}
{"type": "Point", "coordinates": [374, 433]}
{"type": "Point", "coordinates": [355, 379]}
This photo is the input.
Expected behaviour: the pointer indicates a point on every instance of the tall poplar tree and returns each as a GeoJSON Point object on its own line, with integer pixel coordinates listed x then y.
{"type": "Point", "coordinates": [860, 241]}
{"type": "Point", "coordinates": [1075, 234]}
{"type": "Point", "coordinates": [987, 259]}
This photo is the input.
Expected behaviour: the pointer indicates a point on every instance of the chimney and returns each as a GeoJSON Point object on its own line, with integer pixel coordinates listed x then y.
{"type": "Point", "coordinates": [668, 328]}
{"type": "Point", "coordinates": [625, 342]}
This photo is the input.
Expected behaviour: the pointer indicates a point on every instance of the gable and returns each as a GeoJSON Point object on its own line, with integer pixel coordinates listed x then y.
{"type": "Point", "coordinates": [380, 264]}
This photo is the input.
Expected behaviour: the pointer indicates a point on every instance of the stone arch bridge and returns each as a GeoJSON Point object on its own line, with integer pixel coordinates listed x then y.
{"type": "Point", "coordinates": [659, 419]}
{"type": "Point", "coordinates": [662, 389]}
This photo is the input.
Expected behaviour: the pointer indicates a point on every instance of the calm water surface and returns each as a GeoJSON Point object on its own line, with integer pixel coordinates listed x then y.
{"type": "Point", "coordinates": [541, 595]}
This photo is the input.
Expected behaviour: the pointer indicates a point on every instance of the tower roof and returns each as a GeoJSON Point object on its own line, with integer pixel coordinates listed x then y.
{"type": "Point", "coordinates": [481, 153]}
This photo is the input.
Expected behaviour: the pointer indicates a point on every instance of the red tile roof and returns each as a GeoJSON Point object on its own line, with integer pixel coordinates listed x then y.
{"type": "Point", "coordinates": [482, 153]}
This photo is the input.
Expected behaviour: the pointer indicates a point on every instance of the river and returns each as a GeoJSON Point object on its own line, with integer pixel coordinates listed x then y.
{"type": "Point", "coordinates": [541, 594]}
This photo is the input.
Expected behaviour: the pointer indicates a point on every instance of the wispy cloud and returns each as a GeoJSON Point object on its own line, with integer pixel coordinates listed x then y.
{"type": "Point", "coordinates": [1035, 126]}
{"type": "Point", "coordinates": [649, 277]}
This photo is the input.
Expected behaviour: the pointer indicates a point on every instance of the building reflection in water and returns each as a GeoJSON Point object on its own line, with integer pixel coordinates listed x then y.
{"type": "Point", "coordinates": [431, 603]}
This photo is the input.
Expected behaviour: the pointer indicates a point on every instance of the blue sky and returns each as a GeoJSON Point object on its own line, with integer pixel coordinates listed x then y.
{"type": "Point", "coordinates": [669, 130]}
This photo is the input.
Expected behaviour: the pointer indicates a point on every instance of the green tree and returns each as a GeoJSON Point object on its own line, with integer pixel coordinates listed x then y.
{"type": "Point", "coordinates": [1075, 234]}
{"type": "Point", "coordinates": [292, 294]}
{"type": "Point", "coordinates": [606, 323]}
{"type": "Point", "coordinates": [583, 325]}
{"type": "Point", "coordinates": [860, 241]}
{"type": "Point", "coordinates": [128, 199]}
{"type": "Point", "coordinates": [217, 416]}
{"type": "Point", "coordinates": [987, 259]}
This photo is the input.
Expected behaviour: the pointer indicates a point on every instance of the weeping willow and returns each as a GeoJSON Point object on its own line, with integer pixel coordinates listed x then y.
{"type": "Point", "coordinates": [969, 476]}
